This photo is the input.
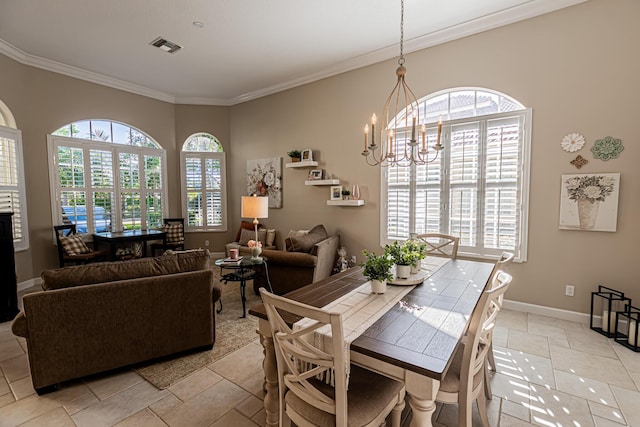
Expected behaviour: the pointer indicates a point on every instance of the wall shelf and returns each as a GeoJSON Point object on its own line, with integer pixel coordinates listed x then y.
{"type": "Point", "coordinates": [323, 182]}
{"type": "Point", "coordinates": [345, 202]}
{"type": "Point", "coordinates": [306, 164]}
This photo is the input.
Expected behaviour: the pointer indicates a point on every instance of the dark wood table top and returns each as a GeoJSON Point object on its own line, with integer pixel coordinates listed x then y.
{"type": "Point", "coordinates": [130, 235]}
{"type": "Point", "coordinates": [420, 333]}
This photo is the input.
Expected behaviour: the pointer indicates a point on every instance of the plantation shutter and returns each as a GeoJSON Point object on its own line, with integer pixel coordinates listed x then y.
{"type": "Point", "coordinates": [203, 174]}
{"type": "Point", "coordinates": [12, 191]}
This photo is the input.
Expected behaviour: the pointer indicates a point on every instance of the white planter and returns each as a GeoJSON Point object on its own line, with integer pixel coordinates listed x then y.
{"type": "Point", "coordinates": [378, 286]}
{"type": "Point", "coordinates": [415, 269]}
{"type": "Point", "coordinates": [403, 271]}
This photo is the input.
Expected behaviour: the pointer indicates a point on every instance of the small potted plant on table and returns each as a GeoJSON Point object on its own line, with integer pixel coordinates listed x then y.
{"type": "Point", "coordinates": [295, 155]}
{"type": "Point", "coordinates": [346, 194]}
{"type": "Point", "coordinates": [404, 257]}
{"type": "Point", "coordinates": [377, 268]}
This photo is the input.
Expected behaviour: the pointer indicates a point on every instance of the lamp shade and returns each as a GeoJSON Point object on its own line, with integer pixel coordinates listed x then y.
{"type": "Point", "coordinates": [255, 207]}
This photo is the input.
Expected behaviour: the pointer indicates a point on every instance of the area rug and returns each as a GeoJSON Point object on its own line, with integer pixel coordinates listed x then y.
{"type": "Point", "coordinates": [232, 333]}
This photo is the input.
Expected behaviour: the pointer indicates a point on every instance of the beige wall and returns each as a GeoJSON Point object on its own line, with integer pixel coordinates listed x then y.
{"type": "Point", "coordinates": [575, 68]}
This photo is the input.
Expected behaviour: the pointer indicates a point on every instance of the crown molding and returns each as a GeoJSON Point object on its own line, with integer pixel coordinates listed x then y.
{"type": "Point", "coordinates": [527, 10]}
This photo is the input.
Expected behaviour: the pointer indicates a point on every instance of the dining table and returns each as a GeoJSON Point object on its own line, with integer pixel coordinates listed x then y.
{"type": "Point", "coordinates": [413, 340]}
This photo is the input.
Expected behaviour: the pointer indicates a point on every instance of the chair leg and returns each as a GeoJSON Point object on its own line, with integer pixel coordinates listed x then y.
{"type": "Point", "coordinates": [492, 361]}
{"type": "Point", "coordinates": [487, 381]}
{"type": "Point", "coordinates": [482, 409]}
{"type": "Point", "coordinates": [396, 413]}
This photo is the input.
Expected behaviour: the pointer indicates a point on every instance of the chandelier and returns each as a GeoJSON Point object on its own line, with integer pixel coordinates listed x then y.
{"type": "Point", "coordinates": [398, 144]}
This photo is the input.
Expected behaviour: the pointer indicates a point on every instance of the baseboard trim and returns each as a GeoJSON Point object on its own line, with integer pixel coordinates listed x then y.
{"type": "Point", "coordinates": [217, 255]}
{"type": "Point", "coordinates": [29, 283]}
{"type": "Point", "coordinates": [556, 313]}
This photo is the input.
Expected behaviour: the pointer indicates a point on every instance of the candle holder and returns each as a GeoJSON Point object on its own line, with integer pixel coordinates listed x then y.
{"type": "Point", "coordinates": [628, 322]}
{"type": "Point", "coordinates": [606, 304]}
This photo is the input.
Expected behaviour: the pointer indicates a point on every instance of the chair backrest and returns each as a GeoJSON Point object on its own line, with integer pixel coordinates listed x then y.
{"type": "Point", "coordinates": [440, 244]}
{"type": "Point", "coordinates": [477, 341]}
{"type": "Point", "coordinates": [500, 265]}
{"type": "Point", "coordinates": [299, 361]}
{"type": "Point", "coordinates": [64, 230]}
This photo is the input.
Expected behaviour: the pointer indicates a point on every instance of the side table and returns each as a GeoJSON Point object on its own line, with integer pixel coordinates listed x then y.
{"type": "Point", "coordinates": [241, 272]}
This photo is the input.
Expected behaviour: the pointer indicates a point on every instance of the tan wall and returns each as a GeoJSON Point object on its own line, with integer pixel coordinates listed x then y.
{"type": "Point", "coordinates": [574, 74]}
{"type": "Point", "coordinates": [575, 68]}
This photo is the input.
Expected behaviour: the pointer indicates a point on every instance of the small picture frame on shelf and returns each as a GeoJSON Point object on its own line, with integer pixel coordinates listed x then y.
{"type": "Point", "coordinates": [316, 174]}
{"type": "Point", "coordinates": [336, 192]}
{"type": "Point", "coordinates": [307, 155]}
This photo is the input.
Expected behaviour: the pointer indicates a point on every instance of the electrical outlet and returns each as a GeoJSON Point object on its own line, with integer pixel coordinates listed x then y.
{"type": "Point", "coordinates": [353, 259]}
{"type": "Point", "coordinates": [568, 290]}
{"type": "Point", "coordinates": [206, 243]}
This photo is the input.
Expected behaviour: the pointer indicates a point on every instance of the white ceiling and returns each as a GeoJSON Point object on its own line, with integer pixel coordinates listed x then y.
{"type": "Point", "coordinates": [246, 49]}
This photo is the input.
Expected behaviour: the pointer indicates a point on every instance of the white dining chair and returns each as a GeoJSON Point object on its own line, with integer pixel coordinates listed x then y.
{"type": "Point", "coordinates": [464, 381]}
{"type": "Point", "coordinates": [500, 265]}
{"type": "Point", "coordinates": [440, 244]}
{"type": "Point", "coordinates": [305, 396]}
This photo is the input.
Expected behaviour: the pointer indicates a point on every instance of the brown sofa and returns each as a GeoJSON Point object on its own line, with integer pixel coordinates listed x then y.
{"type": "Point", "coordinates": [302, 263]}
{"type": "Point", "coordinates": [97, 317]}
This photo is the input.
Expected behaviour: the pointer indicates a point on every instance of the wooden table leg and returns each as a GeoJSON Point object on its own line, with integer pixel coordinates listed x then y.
{"type": "Point", "coordinates": [422, 393]}
{"type": "Point", "coordinates": [271, 403]}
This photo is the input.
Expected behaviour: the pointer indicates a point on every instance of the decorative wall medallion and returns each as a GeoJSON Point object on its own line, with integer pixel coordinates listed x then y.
{"type": "Point", "coordinates": [579, 161]}
{"type": "Point", "coordinates": [572, 142]}
{"type": "Point", "coordinates": [607, 148]}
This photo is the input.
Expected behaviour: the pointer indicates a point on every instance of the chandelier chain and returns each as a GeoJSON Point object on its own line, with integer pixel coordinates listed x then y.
{"type": "Point", "coordinates": [401, 59]}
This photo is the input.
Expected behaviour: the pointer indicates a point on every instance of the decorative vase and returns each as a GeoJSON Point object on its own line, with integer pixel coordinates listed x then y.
{"type": "Point", "coordinates": [255, 252]}
{"type": "Point", "coordinates": [378, 286]}
{"type": "Point", "coordinates": [587, 213]}
{"type": "Point", "coordinates": [403, 271]}
{"type": "Point", "coordinates": [355, 193]}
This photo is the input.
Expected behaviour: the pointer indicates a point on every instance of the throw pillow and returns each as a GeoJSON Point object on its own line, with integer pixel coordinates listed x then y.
{"type": "Point", "coordinates": [175, 233]}
{"type": "Point", "coordinates": [244, 225]}
{"type": "Point", "coordinates": [247, 235]}
{"type": "Point", "coordinates": [296, 233]}
{"type": "Point", "coordinates": [271, 237]}
{"type": "Point", "coordinates": [306, 242]}
{"type": "Point", "coordinates": [74, 245]}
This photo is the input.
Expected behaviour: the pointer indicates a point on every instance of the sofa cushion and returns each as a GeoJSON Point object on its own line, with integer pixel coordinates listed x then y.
{"type": "Point", "coordinates": [271, 237]}
{"type": "Point", "coordinates": [244, 225]}
{"type": "Point", "coordinates": [247, 235]}
{"type": "Point", "coordinates": [67, 277]}
{"type": "Point", "coordinates": [306, 242]}
{"type": "Point", "coordinates": [175, 233]}
{"type": "Point", "coordinates": [74, 245]}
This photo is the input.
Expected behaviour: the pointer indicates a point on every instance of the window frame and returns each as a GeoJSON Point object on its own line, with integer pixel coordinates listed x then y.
{"type": "Point", "coordinates": [22, 243]}
{"type": "Point", "coordinates": [86, 145]}
{"type": "Point", "coordinates": [478, 251]}
{"type": "Point", "coordinates": [219, 156]}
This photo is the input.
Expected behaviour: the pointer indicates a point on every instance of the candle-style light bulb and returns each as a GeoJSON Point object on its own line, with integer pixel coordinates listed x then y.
{"type": "Point", "coordinates": [439, 131]}
{"type": "Point", "coordinates": [366, 136]}
{"type": "Point", "coordinates": [423, 130]}
{"type": "Point", "coordinates": [374, 120]}
{"type": "Point", "coordinates": [391, 141]}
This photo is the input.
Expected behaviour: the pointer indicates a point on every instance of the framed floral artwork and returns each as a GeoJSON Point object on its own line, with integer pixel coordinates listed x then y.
{"type": "Point", "coordinates": [589, 202]}
{"type": "Point", "coordinates": [264, 178]}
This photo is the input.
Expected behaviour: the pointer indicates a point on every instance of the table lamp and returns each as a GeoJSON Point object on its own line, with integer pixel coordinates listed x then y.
{"type": "Point", "coordinates": [255, 207]}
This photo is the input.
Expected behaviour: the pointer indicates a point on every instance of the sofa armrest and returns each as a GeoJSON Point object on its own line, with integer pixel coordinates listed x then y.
{"type": "Point", "coordinates": [326, 252]}
{"type": "Point", "coordinates": [293, 259]}
{"type": "Point", "coordinates": [19, 326]}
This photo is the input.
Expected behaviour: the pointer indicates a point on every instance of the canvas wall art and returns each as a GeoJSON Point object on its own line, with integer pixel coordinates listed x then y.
{"type": "Point", "coordinates": [589, 202]}
{"type": "Point", "coordinates": [264, 178]}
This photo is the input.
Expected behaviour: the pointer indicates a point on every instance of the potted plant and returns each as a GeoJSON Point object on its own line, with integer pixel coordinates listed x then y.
{"type": "Point", "coordinates": [419, 250]}
{"type": "Point", "coordinates": [377, 268]}
{"type": "Point", "coordinates": [403, 257]}
{"type": "Point", "coordinates": [295, 155]}
{"type": "Point", "coordinates": [346, 194]}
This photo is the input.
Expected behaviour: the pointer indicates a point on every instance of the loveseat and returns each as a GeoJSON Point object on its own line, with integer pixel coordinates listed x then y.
{"type": "Point", "coordinates": [307, 258]}
{"type": "Point", "coordinates": [97, 317]}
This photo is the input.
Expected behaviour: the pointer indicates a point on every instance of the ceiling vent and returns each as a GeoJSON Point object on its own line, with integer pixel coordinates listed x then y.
{"type": "Point", "coordinates": [165, 45]}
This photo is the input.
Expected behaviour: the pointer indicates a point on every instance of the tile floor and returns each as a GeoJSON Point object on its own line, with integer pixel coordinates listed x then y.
{"type": "Point", "coordinates": [550, 373]}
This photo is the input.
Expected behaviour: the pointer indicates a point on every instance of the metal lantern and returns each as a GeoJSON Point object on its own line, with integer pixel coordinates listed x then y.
{"type": "Point", "coordinates": [605, 306]}
{"type": "Point", "coordinates": [627, 329]}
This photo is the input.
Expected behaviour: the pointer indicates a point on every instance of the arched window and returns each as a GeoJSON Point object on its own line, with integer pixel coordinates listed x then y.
{"type": "Point", "coordinates": [478, 187]}
{"type": "Point", "coordinates": [13, 197]}
{"type": "Point", "coordinates": [204, 188]}
{"type": "Point", "coordinates": [106, 176]}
